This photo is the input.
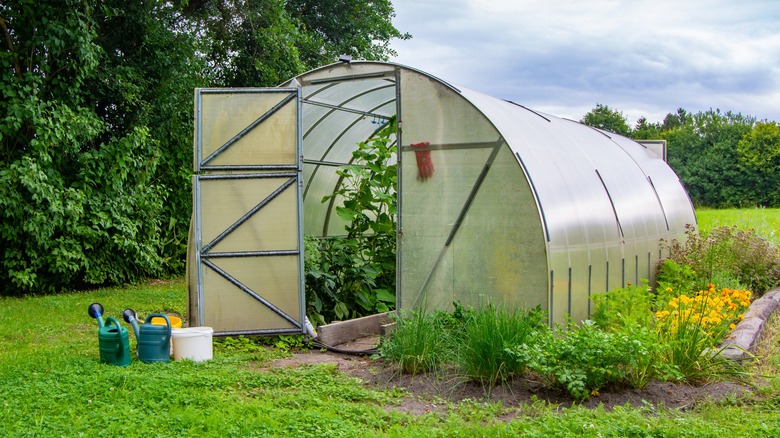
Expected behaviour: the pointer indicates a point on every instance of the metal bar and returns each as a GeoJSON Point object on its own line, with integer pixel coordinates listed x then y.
{"type": "Point", "coordinates": [452, 146]}
{"type": "Point", "coordinates": [248, 176]}
{"type": "Point", "coordinates": [249, 214]}
{"type": "Point", "coordinates": [552, 297]}
{"type": "Point", "coordinates": [259, 332]}
{"type": "Point", "coordinates": [299, 205]}
{"type": "Point", "coordinates": [259, 167]}
{"type": "Point", "coordinates": [348, 110]}
{"type": "Point", "coordinates": [250, 292]}
{"type": "Point", "coordinates": [220, 255]}
{"type": "Point", "coordinates": [349, 78]}
{"type": "Point", "coordinates": [660, 204]}
{"type": "Point", "coordinates": [198, 248]}
{"type": "Point", "coordinates": [247, 90]}
{"type": "Point", "coordinates": [612, 203]}
{"type": "Point", "coordinates": [249, 128]}
{"type": "Point", "coordinates": [533, 190]}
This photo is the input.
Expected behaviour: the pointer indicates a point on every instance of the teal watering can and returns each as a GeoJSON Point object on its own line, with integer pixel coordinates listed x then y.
{"type": "Point", "coordinates": [154, 341]}
{"type": "Point", "coordinates": [113, 340]}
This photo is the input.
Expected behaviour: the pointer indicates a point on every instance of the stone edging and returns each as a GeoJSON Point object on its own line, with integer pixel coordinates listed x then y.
{"type": "Point", "coordinates": [743, 340]}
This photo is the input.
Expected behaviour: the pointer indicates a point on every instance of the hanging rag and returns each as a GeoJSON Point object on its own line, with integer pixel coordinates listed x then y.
{"type": "Point", "coordinates": [424, 162]}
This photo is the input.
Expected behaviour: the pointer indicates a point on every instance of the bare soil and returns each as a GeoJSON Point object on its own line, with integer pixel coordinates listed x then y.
{"type": "Point", "coordinates": [427, 392]}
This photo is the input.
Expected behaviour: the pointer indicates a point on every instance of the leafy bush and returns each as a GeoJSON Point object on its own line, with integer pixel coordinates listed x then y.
{"type": "Point", "coordinates": [621, 307]}
{"type": "Point", "coordinates": [581, 359]}
{"type": "Point", "coordinates": [725, 252]}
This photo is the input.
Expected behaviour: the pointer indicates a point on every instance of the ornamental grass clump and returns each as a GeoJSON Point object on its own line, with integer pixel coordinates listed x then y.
{"type": "Point", "coordinates": [418, 344]}
{"type": "Point", "coordinates": [482, 350]}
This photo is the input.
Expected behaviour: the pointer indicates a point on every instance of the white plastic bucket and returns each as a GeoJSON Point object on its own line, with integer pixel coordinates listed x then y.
{"type": "Point", "coordinates": [193, 343]}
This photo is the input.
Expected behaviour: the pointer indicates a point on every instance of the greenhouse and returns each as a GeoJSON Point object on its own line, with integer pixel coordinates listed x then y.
{"type": "Point", "coordinates": [497, 203]}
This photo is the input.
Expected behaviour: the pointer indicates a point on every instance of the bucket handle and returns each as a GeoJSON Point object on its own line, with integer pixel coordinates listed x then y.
{"type": "Point", "coordinates": [167, 321]}
{"type": "Point", "coordinates": [113, 320]}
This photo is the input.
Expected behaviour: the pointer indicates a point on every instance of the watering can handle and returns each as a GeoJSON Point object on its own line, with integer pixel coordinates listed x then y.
{"type": "Point", "coordinates": [110, 320]}
{"type": "Point", "coordinates": [162, 315]}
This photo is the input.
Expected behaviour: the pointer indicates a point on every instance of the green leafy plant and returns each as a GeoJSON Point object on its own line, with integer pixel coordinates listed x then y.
{"type": "Point", "coordinates": [628, 306]}
{"type": "Point", "coordinates": [741, 255]}
{"type": "Point", "coordinates": [354, 275]}
{"type": "Point", "coordinates": [579, 359]}
{"type": "Point", "coordinates": [418, 344]}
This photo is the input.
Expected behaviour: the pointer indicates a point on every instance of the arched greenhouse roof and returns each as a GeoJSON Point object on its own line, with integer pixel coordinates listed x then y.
{"type": "Point", "coordinates": [592, 205]}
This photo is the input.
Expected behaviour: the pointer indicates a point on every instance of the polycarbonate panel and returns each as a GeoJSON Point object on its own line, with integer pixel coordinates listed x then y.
{"type": "Point", "coordinates": [225, 115]}
{"type": "Point", "coordinates": [225, 201]}
{"type": "Point", "coordinates": [232, 309]}
{"type": "Point", "coordinates": [564, 210]}
{"type": "Point", "coordinates": [482, 261]}
{"type": "Point", "coordinates": [601, 212]}
{"type": "Point", "coordinates": [355, 111]}
{"type": "Point", "coordinates": [497, 249]}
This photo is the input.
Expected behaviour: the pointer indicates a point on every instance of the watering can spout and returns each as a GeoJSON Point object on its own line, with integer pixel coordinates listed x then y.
{"type": "Point", "coordinates": [131, 318]}
{"type": "Point", "coordinates": [95, 310]}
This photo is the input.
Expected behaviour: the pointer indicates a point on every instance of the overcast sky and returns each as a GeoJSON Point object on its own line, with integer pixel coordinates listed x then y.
{"type": "Point", "coordinates": [562, 57]}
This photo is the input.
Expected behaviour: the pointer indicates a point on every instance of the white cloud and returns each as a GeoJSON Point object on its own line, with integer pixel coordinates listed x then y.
{"type": "Point", "coordinates": [645, 58]}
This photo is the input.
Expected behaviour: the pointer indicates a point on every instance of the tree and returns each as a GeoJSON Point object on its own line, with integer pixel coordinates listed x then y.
{"type": "Point", "coordinates": [759, 152]}
{"type": "Point", "coordinates": [78, 202]}
{"type": "Point", "coordinates": [603, 117]}
{"type": "Point", "coordinates": [96, 122]}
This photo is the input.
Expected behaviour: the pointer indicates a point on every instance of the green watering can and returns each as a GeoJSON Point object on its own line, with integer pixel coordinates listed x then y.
{"type": "Point", "coordinates": [113, 340]}
{"type": "Point", "coordinates": [154, 341]}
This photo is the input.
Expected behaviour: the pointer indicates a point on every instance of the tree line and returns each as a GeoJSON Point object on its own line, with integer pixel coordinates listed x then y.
{"type": "Point", "coordinates": [96, 119]}
{"type": "Point", "coordinates": [96, 124]}
{"type": "Point", "coordinates": [723, 159]}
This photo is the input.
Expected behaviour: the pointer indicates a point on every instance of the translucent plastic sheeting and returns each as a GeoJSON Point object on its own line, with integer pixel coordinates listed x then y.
{"type": "Point", "coordinates": [462, 239]}
{"type": "Point", "coordinates": [246, 244]}
{"type": "Point", "coordinates": [522, 208]}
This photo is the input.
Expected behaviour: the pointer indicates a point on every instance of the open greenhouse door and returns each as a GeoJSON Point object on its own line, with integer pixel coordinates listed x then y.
{"type": "Point", "coordinates": [247, 238]}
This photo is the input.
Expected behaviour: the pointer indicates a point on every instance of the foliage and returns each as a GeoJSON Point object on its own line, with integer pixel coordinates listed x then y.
{"type": "Point", "coordinates": [623, 307]}
{"type": "Point", "coordinates": [727, 252]}
{"type": "Point", "coordinates": [265, 42]}
{"type": "Point", "coordinates": [693, 327]}
{"type": "Point", "coordinates": [354, 275]}
{"type": "Point", "coordinates": [487, 334]}
{"type": "Point", "coordinates": [78, 197]}
{"type": "Point", "coordinates": [579, 360]}
{"type": "Point", "coordinates": [418, 343]}
{"type": "Point", "coordinates": [96, 122]}
{"type": "Point", "coordinates": [603, 117]}
{"type": "Point", "coordinates": [52, 384]}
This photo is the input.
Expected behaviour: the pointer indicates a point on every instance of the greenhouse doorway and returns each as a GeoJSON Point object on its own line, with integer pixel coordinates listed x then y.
{"type": "Point", "coordinates": [247, 232]}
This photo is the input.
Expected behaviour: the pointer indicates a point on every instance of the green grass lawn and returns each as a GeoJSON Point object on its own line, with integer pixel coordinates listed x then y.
{"type": "Point", "coordinates": [51, 384]}
{"type": "Point", "coordinates": [764, 221]}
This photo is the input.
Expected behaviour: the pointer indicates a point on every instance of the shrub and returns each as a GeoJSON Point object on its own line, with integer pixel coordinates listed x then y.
{"type": "Point", "coordinates": [622, 307]}
{"type": "Point", "coordinates": [727, 252]}
{"type": "Point", "coordinates": [581, 360]}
